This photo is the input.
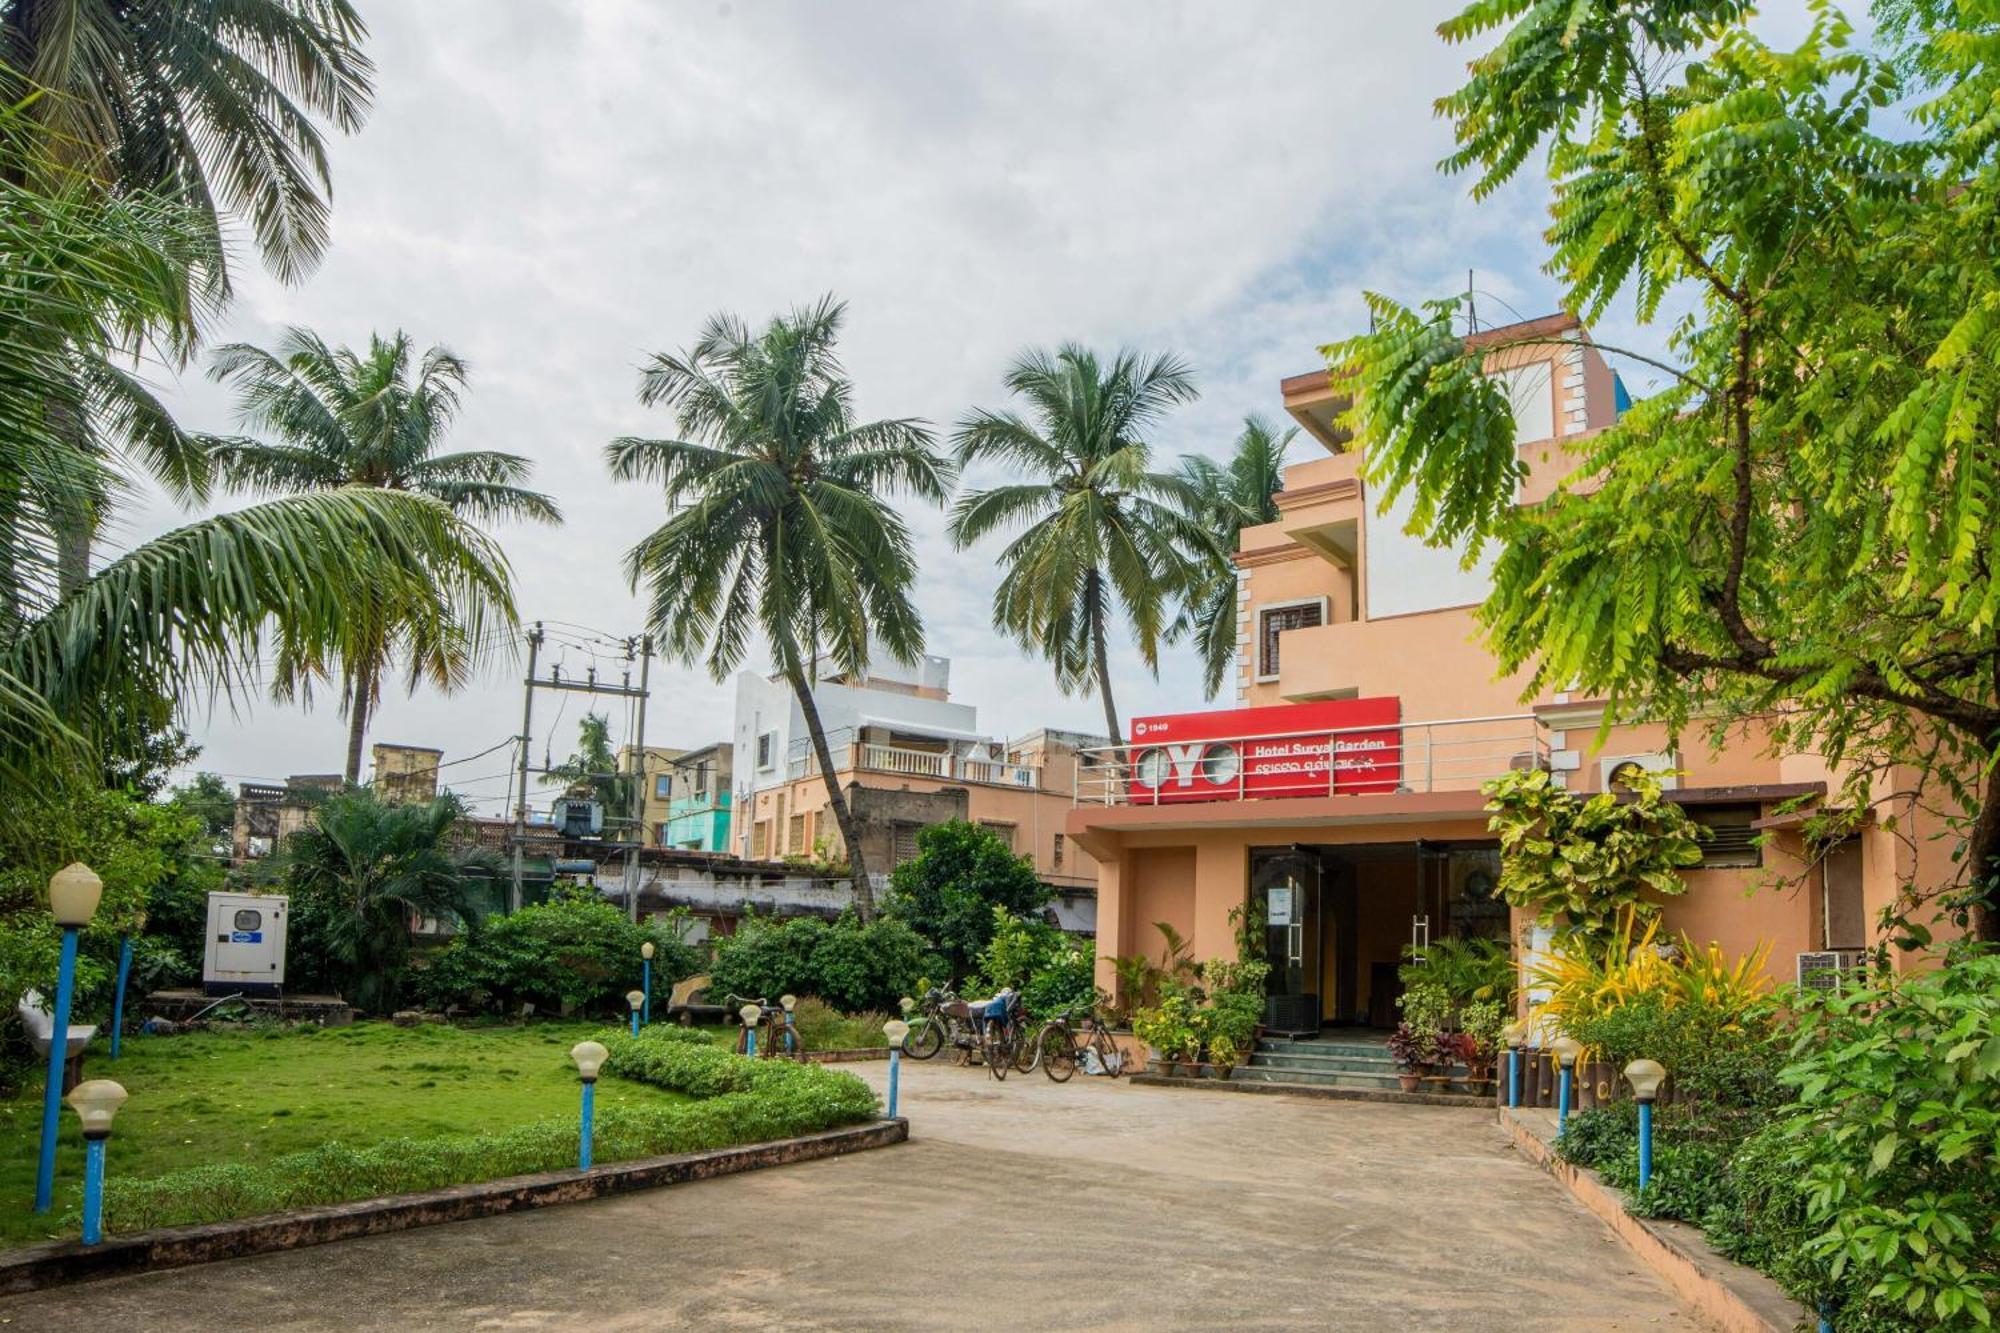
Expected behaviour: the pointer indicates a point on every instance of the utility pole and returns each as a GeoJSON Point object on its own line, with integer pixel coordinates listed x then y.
{"type": "Point", "coordinates": [521, 807]}
{"type": "Point", "coordinates": [638, 787]}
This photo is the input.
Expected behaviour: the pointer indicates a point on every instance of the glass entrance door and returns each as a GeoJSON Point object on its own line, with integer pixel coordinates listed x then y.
{"type": "Point", "coordinates": [1286, 888]}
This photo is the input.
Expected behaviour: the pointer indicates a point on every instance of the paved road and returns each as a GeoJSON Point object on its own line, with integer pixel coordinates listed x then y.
{"type": "Point", "coordinates": [1016, 1205]}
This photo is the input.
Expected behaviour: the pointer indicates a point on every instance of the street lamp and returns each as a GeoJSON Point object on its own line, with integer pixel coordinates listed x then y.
{"type": "Point", "coordinates": [646, 976]}
{"type": "Point", "coordinates": [1567, 1049]}
{"type": "Point", "coordinates": [896, 1030]}
{"type": "Point", "coordinates": [124, 971]}
{"type": "Point", "coordinates": [906, 1004]}
{"type": "Point", "coordinates": [1514, 1039]}
{"type": "Point", "coordinates": [96, 1101]}
{"type": "Point", "coordinates": [1645, 1076]}
{"type": "Point", "coordinates": [589, 1057]}
{"type": "Point", "coordinates": [635, 998]}
{"type": "Point", "coordinates": [73, 895]}
{"type": "Point", "coordinates": [791, 1046]}
{"type": "Point", "coordinates": [750, 1013]}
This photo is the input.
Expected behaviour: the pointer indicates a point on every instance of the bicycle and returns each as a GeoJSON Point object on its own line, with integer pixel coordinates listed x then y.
{"type": "Point", "coordinates": [777, 1035]}
{"type": "Point", "coordinates": [1000, 1034]}
{"type": "Point", "coordinates": [1060, 1047]}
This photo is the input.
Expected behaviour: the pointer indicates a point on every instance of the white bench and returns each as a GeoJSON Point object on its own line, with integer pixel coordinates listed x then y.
{"type": "Point", "coordinates": [42, 1026]}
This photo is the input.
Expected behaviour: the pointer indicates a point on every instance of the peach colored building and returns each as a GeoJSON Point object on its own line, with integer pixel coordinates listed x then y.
{"type": "Point", "coordinates": [1389, 845]}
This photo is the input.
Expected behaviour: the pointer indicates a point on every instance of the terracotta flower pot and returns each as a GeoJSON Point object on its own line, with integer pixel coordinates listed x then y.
{"type": "Point", "coordinates": [1410, 1079]}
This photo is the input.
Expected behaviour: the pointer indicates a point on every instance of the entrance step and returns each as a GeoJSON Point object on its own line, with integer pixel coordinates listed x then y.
{"type": "Point", "coordinates": [1256, 1072]}
{"type": "Point", "coordinates": [1327, 1062]}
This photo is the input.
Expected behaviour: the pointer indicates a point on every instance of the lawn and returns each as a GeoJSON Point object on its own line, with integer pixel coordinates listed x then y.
{"type": "Point", "coordinates": [217, 1097]}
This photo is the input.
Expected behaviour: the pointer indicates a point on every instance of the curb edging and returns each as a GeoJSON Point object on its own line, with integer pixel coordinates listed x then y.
{"type": "Point", "coordinates": [1734, 1298]}
{"type": "Point", "coordinates": [58, 1263]}
{"type": "Point", "coordinates": [1322, 1091]}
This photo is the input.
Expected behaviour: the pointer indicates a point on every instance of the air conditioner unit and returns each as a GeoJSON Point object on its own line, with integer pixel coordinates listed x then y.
{"type": "Point", "coordinates": [1662, 764]}
{"type": "Point", "coordinates": [1826, 969]}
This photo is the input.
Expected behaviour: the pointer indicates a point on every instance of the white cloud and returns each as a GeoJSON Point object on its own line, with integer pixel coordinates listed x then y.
{"type": "Point", "coordinates": [554, 190]}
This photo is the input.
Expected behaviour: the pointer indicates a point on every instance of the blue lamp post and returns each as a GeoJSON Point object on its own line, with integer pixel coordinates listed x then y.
{"type": "Point", "coordinates": [1645, 1076]}
{"type": "Point", "coordinates": [897, 1031]}
{"type": "Point", "coordinates": [96, 1102]}
{"type": "Point", "coordinates": [118, 999]}
{"type": "Point", "coordinates": [635, 998]}
{"type": "Point", "coordinates": [1513, 1065]}
{"type": "Point", "coordinates": [790, 1046]}
{"type": "Point", "coordinates": [750, 1013]}
{"type": "Point", "coordinates": [1567, 1049]}
{"type": "Point", "coordinates": [646, 978]}
{"type": "Point", "coordinates": [73, 895]}
{"type": "Point", "coordinates": [589, 1057]}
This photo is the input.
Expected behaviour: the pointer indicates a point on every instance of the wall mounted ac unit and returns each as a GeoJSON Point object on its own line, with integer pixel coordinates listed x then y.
{"type": "Point", "coordinates": [1654, 762]}
{"type": "Point", "coordinates": [1826, 969]}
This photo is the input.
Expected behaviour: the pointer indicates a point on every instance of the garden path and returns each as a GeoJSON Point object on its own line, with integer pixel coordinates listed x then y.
{"type": "Point", "coordinates": [1016, 1205]}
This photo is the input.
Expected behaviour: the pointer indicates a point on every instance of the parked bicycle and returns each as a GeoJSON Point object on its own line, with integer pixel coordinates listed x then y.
{"type": "Point", "coordinates": [1077, 1037]}
{"type": "Point", "coordinates": [777, 1036]}
{"type": "Point", "coordinates": [1003, 1037]}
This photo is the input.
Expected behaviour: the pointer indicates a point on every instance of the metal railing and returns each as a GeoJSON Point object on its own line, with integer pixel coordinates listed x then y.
{"type": "Point", "coordinates": [1449, 754]}
{"type": "Point", "coordinates": [876, 758]}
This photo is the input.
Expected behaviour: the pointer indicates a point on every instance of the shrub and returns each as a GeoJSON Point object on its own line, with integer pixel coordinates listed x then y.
{"type": "Point", "coordinates": [1587, 978]}
{"type": "Point", "coordinates": [574, 951]}
{"type": "Point", "coordinates": [743, 1101]}
{"type": "Point", "coordinates": [1052, 971]}
{"type": "Point", "coordinates": [1727, 1057]}
{"type": "Point", "coordinates": [824, 1028]}
{"type": "Point", "coordinates": [1470, 971]}
{"type": "Point", "coordinates": [851, 966]}
{"type": "Point", "coordinates": [948, 891]}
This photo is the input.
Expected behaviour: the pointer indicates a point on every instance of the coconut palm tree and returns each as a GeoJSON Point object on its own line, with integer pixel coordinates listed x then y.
{"type": "Point", "coordinates": [1230, 497]}
{"type": "Point", "coordinates": [346, 419]}
{"type": "Point", "coordinates": [185, 617]}
{"type": "Point", "coordinates": [1102, 534]}
{"type": "Point", "coordinates": [216, 103]}
{"type": "Point", "coordinates": [780, 520]}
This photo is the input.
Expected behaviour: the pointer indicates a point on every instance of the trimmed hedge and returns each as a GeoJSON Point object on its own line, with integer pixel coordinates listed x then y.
{"type": "Point", "coordinates": [742, 1101]}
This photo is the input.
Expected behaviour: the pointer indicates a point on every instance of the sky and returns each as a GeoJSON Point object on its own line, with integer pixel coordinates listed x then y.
{"type": "Point", "coordinates": [557, 189]}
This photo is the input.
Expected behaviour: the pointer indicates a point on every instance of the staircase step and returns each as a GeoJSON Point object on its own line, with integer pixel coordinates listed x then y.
{"type": "Point", "coordinates": [1333, 1078]}
{"type": "Point", "coordinates": [1363, 1064]}
{"type": "Point", "coordinates": [1323, 1046]}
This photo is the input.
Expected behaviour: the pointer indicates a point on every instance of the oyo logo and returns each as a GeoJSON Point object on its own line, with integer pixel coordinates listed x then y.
{"type": "Point", "coordinates": [1218, 763]}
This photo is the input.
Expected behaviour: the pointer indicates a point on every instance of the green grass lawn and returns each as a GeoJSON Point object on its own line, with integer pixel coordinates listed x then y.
{"type": "Point", "coordinates": [217, 1097]}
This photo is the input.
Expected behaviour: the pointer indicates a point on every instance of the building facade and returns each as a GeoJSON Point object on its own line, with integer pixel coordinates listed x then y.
{"type": "Point", "coordinates": [1341, 797]}
{"type": "Point", "coordinates": [907, 757]}
{"type": "Point", "coordinates": [699, 800]}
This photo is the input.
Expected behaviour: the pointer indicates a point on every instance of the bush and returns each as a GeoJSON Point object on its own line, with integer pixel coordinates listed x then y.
{"type": "Point", "coordinates": [1724, 1056]}
{"type": "Point", "coordinates": [823, 1028]}
{"type": "Point", "coordinates": [743, 1101]}
{"type": "Point", "coordinates": [573, 952]}
{"type": "Point", "coordinates": [851, 966]}
{"type": "Point", "coordinates": [1052, 971]}
{"type": "Point", "coordinates": [948, 891]}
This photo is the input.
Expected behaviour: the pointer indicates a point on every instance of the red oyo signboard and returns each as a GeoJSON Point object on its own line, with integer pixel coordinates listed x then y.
{"type": "Point", "coordinates": [1264, 752]}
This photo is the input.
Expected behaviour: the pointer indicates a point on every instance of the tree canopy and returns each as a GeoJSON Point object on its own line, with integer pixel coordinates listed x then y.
{"type": "Point", "coordinates": [1800, 526]}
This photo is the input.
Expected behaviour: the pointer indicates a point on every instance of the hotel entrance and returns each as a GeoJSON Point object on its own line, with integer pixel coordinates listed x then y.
{"type": "Point", "coordinates": [1341, 919]}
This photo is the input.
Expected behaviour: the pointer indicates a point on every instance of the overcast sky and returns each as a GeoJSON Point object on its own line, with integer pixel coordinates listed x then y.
{"type": "Point", "coordinates": [555, 189]}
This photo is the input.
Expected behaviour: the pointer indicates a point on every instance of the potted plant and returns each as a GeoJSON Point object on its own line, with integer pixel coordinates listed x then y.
{"type": "Point", "coordinates": [1414, 1053]}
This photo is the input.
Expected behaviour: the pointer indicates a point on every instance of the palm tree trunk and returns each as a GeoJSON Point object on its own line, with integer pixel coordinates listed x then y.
{"type": "Point", "coordinates": [850, 833]}
{"type": "Point", "coordinates": [357, 720]}
{"type": "Point", "coordinates": [1094, 597]}
{"type": "Point", "coordinates": [74, 531]}
{"type": "Point", "coordinates": [1984, 855]}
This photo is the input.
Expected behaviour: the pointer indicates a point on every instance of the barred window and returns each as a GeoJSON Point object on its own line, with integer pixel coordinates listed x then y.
{"type": "Point", "coordinates": [1732, 841]}
{"type": "Point", "coordinates": [1274, 621]}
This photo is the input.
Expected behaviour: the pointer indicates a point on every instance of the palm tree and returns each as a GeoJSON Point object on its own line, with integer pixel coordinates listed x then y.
{"type": "Point", "coordinates": [344, 419]}
{"type": "Point", "coordinates": [594, 766]}
{"type": "Point", "coordinates": [1103, 533]}
{"type": "Point", "coordinates": [358, 872]}
{"type": "Point", "coordinates": [212, 102]}
{"type": "Point", "coordinates": [779, 520]}
{"type": "Point", "coordinates": [184, 617]}
{"type": "Point", "coordinates": [1231, 497]}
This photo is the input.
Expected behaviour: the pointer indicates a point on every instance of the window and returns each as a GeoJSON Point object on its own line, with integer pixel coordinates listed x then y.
{"type": "Point", "coordinates": [1056, 853]}
{"type": "Point", "coordinates": [767, 749]}
{"type": "Point", "coordinates": [906, 844]}
{"type": "Point", "coordinates": [760, 840]}
{"type": "Point", "coordinates": [1732, 841]}
{"type": "Point", "coordinates": [662, 786]}
{"type": "Point", "coordinates": [1004, 832]}
{"type": "Point", "coordinates": [1273, 621]}
{"type": "Point", "coordinates": [795, 836]}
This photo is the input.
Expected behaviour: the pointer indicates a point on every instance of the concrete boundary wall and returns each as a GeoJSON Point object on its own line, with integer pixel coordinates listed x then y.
{"type": "Point", "coordinates": [1732, 1297]}
{"type": "Point", "coordinates": [34, 1267]}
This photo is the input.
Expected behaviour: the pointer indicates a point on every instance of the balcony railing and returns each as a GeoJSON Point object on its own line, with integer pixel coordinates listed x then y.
{"type": "Point", "coordinates": [874, 758]}
{"type": "Point", "coordinates": [1456, 754]}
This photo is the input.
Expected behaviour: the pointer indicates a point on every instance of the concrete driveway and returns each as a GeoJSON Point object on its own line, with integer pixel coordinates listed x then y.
{"type": "Point", "coordinates": [1019, 1205]}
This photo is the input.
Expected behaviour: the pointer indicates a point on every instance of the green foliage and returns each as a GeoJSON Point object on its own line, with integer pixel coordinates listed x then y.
{"type": "Point", "coordinates": [961, 882]}
{"type": "Point", "coordinates": [781, 520]}
{"type": "Point", "coordinates": [852, 967]}
{"type": "Point", "coordinates": [1174, 1026]}
{"type": "Point", "coordinates": [824, 1028]}
{"type": "Point", "coordinates": [575, 952]}
{"type": "Point", "coordinates": [1583, 862]}
{"type": "Point", "coordinates": [1714, 1053]}
{"type": "Point", "coordinates": [356, 874]}
{"type": "Point", "coordinates": [208, 798]}
{"type": "Point", "coordinates": [1101, 532]}
{"type": "Point", "coordinates": [740, 1101]}
{"type": "Point", "coordinates": [1893, 1191]}
{"type": "Point", "coordinates": [594, 767]}
{"type": "Point", "coordinates": [1470, 971]}
{"type": "Point", "coordinates": [1795, 528]}
{"type": "Point", "coordinates": [1053, 971]}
